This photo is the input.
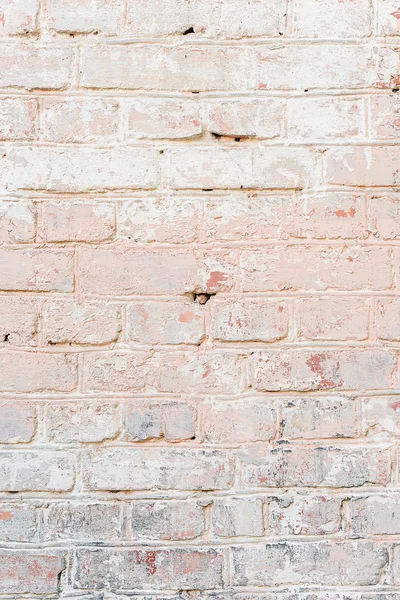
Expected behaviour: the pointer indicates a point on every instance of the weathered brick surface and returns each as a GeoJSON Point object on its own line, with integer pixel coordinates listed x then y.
{"type": "Point", "coordinates": [199, 299]}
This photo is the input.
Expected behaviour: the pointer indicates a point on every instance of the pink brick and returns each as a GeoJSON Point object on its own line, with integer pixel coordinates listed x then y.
{"type": "Point", "coordinates": [385, 116]}
{"type": "Point", "coordinates": [325, 118]}
{"type": "Point", "coordinates": [19, 522]}
{"type": "Point", "coordinates": [318, 417]}
{"type": "Point", "coordinates": [312, 466]}
{"type": "Point", "coordinates": [385, 217]}
{"type": "Point", "coordinates": [259, 320]}
{"type": "Point", "coordinates": [238, 516]}
{"type": "Point", "coordinates": [128, 568]}
{"type": "Point", "coordinates": [17, 421]}
{"type": "Point", "coordinates": [126, 272]}
{"type": "Point", "coordinates": [92, 323]}
{"type": "Point", "coordinates": [116, 371]}
{"type": "Point", "coordinates": [332, 319]}
{"type": "Point", "coordinates": [251, 217]}
{"type": "Point", "coordinates": [32, 572]}
{"type": "Point", "coordinates": [242, 19]}
{"type": "Point", "coordinates": [84, 16]}
{"type": "Point", "coordinates": [18, 17]}
{"type": "Point", "coordinates": [157, 468]}
{"type": "Point", "coordinates": [80, 522]}
{"type": "Point", "coordinates": [381, 416]}
{"type": "Point", "coordinates": [171, 220]}
{"type": "Point", "coordinates": [18, 320]}
{"type": "Point", "coordinates": [152, 420]}
{"type": "Point", "coordinates": [172, 520]}
{"type": "Point", "coordinates": [81, 120]}
{"type": "Point", "coordinates": [388, 17]}
{"type": "Point", "coordinates": [316, 268]}
{"type": "Point", "coordinates": [305, 370]}
{"type": "Point", "coordinates": [388, 319]}
{"type": "Point", "coordinates": [35, 66]}
{"type": "Point", "coordinates": [18, 118]}
{"type": "Point", "coordinates": [162, 322]}
{"type": "Point", "coordinates": [76, 221]}
{"type": "Point", "coordinates": [166, 68]}
{"type": "Point", "coordinates": [33, 372]}
{"type": "Point", "coordinates": [79, 169]}
{"type": "Point", "coordinates": [17, 222]}
{"type": "Point", "coordinates": [326, 216]}
{"type": "Point", "coordinates": [36, 471]}
{"type": "Point", "coordinates": [238, 421]}
{"type": "Point", "coordinates": [376, 166]}
{"type": "Point", "coordinates": [325, 19]}
{"type": "Point", "coordinates": [37, 269]}
{"type": "Point", "coordinates": [68, 422]}
{"type": "Point", "coordinates": [304, 515]}
{"type": "Point", "coordinates": [246, 118]}
{"type": "Point", "coordinates": [152, 118]}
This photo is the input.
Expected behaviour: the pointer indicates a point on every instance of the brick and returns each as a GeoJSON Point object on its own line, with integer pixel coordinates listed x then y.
{"type": "Point", "coordinates": [305, 370]}
{"type": "Point", "coordinates": [303, 67]}
{"type": "Point", "coordinates": [374, 167]}
{"type": "Point", "coordinates": [76, 221]}
{"type": "Point", "coordinates": [81, 119]}
{"type": "Point", "coordinates": [116, 371]}
{"type": "Point", "coordinates": [139, 568]}
{"type": "Point", "coordinates": [249, 19]}
{"type": "Point", "coordinates": [173, 421]}
{"type": "Point", "coordinates": [36, 471]}
{"type": "Point", "coordinates": [69, 422]}
{"type": "Point", "coordinates": [169, 68]}
{"type": "Point", "coordinates": [75, 521]}
{"type": "Point", "coordinates": [78, 169]}
{"type": "Point", "coordinates": [19, 522]}
{"type": "Point", "coordinates": [94, 323]}
{"type": "Point", "coordinates": [332, 319]}
{"type": "Point", "coordinates": [388, 17]}
{"type": "Point", "coordinates": [237, 421]}
{"type": "Point", "coordinates": [18, 321]}
{"type": "Point", "coordinates": [246, 118]}
{"type": "Point", "coordinates": [388, 319]}
{"type": "Point", "coordinates": [385, 116]}
{"type": "Point", "coordinates": [172, 520]}
{"type": "Point", "coordinates": [18, 17]}
{"type": "Point", "coordinates": [156, 18]}
{"type": "Point", "coordinates": [316, 268]}
{"type": "Point", "coordinates": [17, 421]}
{"type": "Point", "coordinates": [214, 372]}
{"type": "Point", "coordinates": [157, 468]}
{"type": "Point", "coordinates": [385, 217]}
{"type": "Point", "coordinates": [381, 416]}
{"type": "Point", "coordinates": [31, 372]}
{"type": "Point", "coordinates": [172, 220]}
{"type": "Point", "coordinates": [37, 270]}
{"type": "Point", "coordinates": [126, 271]}
{"type": "Point", "coordinates": [32, 572]}
{"type": "Point", "coordinates": [319, 417]}
{"type": "Point", "coordinates": [18, 118]}
{"type": "Point", "coordinates": [237, 168]}
{"type": "Point", "coordinates": [257, 320]}
{"type": "Point", "coordinates": [325, 118]}
{"type": "Point", "coordinates": [330, 215]}
{"type": "Point", "coordinates": [325, 19]}
{"type": "Point", "coordinates": [159, 118]}
{"type": "Point", "coordinates": [17, 222]}
{"type": "Point", "coordinates": [238, 516]}
{"type": "Point", "coordinates": [161, 322]}
{"type": "Point", "coordinates": [322, 563]}
{"type": "Point", "coordinates": [32, 67]}
{"type": "Point", "coordinates": [374, 515]}
{"type": "Point", "coordinates": [300, 515]}
{"type": "Point", "coordinates": [317, 467]}
{"type": "Point", "coordinates": [84, 16]}
{"type": "Point", "coordinates": [252, 217]}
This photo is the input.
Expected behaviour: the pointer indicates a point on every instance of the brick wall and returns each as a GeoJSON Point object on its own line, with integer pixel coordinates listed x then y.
{"type": "Point", "coordinates": [199, 299]}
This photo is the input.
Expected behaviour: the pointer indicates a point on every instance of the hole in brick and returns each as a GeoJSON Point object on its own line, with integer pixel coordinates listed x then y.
{"type": "Point", "coordinates": [395, 90]}
{"type": "Point", "coordinates": [161, 151]}
{"type": "Point", "coordinates": [306, 90]}
{"type": "Point", "coordinates": [280, 33]}
{"type": "Point", "coordinates": [6, 337]}
{"type": "Point", "coordinates": [195, 92]}
{"type": "Point", "coordinates": [238, 139]}
{"type": "Point", "coordinates": [202, 298]}
{"type": "Point", "coordinates": [217, 136]}
{"type": "Point", "coordinates": [188, 31]}
{"type": "Point", "coordinates": [95, 33]}
{"type": "Point", "coordinates": [72, 35]}
{"type": "Point", "coordinates": [208, 189]}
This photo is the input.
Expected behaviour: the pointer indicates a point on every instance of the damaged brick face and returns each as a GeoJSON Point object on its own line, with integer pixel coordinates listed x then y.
{"type": "Point", "coordinates": [199, 299]}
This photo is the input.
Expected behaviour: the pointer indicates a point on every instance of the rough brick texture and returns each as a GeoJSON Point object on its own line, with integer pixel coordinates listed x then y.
{"type": "Point", "coordinates": [199, 299]}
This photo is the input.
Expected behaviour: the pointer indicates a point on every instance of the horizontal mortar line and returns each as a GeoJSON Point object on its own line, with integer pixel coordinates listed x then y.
{"type": "Point", "coordinates": [251, 143]}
